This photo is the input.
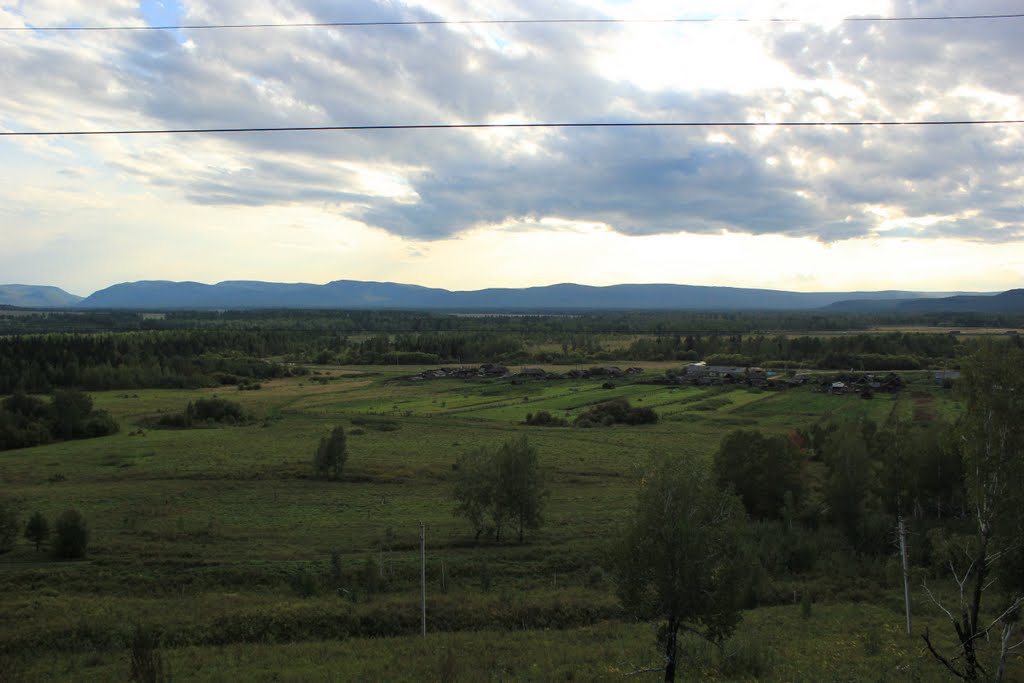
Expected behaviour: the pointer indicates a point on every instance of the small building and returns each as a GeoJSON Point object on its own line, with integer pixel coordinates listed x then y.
{"type": "Point", "coordinates": [726, 373]}
{"type": "Point", "coordinates": [695, 370]}
{"type": "Point", "coordinates": [492, 370]}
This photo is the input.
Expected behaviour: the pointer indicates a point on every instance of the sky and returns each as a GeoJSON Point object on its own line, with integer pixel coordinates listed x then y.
{"type": "Point", "coordinates": [837, 208]}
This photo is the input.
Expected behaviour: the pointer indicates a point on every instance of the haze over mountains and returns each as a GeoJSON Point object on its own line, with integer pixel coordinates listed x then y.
{"type": "Point", "coordinates": [36, 296]}
{"type": "Point", "coordinates": [352, 294]}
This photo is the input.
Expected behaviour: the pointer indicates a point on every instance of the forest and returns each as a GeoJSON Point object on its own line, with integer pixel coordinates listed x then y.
{"type": "Point", "coordinates": [194, 350]}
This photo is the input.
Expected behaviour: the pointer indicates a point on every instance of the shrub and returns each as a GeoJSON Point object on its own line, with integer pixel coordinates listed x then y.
{"type": "Point", "coordinates": [147, 666]}
{"type": "Point", "coordinates": [806, 605]}
{"type": "Point", "coordinates": [745, 658]}
{"type": "Point", "coordinates": [304, 583]}
{"type": "Point", "coordinates": [37, 530]}
{"type": "Point", "coordinates": [101, 423]}
{"type": "Point", "coordinates": [8, 527]}
{"type": "Point", "coordinates": [72, 535]}
{"type": "Point", "coordinates": [174, 421]}
{"type": "Point", "coordinates": [377, 423]}
{"type": "Point", "coordinates": [218, 410]}
{"type": "Point", "coordinates": [206, 410]}
{"type": "Point", "coordinates": [371, 575]}
{"type": "Point", "coordinates": [331, 454]}
{"type": "Point", "coordinates": [544, 419]}
{"type": "Point", "coordinates": [616, 411]}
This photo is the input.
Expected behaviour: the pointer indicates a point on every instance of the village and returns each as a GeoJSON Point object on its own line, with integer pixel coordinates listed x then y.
{"type": "Point", "coordinates": [864, 384]}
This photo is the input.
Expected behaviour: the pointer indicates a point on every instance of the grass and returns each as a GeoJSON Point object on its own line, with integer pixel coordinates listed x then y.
{"type": "Point", "coordinates": [840, 642]}
{"type": "Point", "coordinates": [214, 531]}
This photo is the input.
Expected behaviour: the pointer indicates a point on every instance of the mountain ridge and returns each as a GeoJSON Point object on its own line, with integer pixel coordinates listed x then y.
{"type": "Point", "coordinates": [36, 296]}
{"type": "Point", "coordinates": [565, 296]}
{"type": "Point", "coordinates": [358, 294]}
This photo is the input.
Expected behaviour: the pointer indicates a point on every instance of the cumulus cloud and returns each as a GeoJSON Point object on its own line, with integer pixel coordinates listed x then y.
{"type": "Point", "coordinates": [831, 184]}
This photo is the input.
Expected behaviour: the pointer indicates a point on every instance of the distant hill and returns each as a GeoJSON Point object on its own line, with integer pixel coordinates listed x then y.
{"type": "Point", "coordinates": [352, 294]}
{"type": "Point", "coordinates": [1011, 301]}
{"type": "Point", "coordinates": [36, 296]}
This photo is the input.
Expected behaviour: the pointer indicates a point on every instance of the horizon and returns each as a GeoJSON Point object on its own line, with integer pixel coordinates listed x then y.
{"type": "Point", "coordinates": [927, 293]}
{"type": "Point", "coordinates": [820, 208]}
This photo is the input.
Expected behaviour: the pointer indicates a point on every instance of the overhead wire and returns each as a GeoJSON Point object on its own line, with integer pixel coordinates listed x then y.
{"type": "Point", "coordinates": [457, 126]}
{"type": "Point", "coordinates": [485, 22]}
{"type": "Point", "coordinates": [450, 126]}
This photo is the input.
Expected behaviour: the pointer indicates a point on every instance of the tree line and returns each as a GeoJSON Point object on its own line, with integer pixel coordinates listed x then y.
{"type": "Point", "coordinates": [68, 535]}
{"type": "Point", "coordinates": [212, 357]}
{"type": "Point", "coordinates": [69, 414]}
{"type": "Point", "coordinates": [94, 362]}
{"type": "Point", "coordinates": [588, 323]}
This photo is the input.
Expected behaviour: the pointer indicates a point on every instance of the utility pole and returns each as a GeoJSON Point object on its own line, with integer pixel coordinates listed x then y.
{"type": "Point", "coordinates": [423, 576]}
{"type": "Point", "coordinates": [901, 525]}
{"type": "Point", "coordinates": [906, 569]}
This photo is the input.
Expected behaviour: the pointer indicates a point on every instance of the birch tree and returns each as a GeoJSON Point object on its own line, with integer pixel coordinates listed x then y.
{"type": "Point", "coordinates": [986, 566]}
{"type": "Point", "coordinates": [680, 561]}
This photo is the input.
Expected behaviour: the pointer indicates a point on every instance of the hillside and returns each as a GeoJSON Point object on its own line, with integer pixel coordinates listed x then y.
{"type": "Point", "coordinates": [36, 296]}
{"type": "Point", "coordinates": [1011, 301]}
{"type": "Point", "coordinates": [351, 294]}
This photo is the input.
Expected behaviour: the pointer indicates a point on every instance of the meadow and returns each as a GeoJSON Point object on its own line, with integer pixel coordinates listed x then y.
{"type": "Point", "coordinates": [222, 542]}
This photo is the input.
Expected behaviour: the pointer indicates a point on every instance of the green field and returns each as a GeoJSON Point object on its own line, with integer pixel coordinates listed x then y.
{"type": "Point", "coordinates": [221, 539]}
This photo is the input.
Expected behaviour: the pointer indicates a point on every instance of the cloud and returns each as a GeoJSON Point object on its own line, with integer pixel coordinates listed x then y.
{"type": "Point", "coordinates": [831, 184]}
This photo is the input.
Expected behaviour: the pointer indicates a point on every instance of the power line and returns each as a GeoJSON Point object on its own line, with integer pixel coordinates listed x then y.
{"type": "Point", "coordinates": [491, 22]}
{"type": "Point", "coordinates": [456, 126]}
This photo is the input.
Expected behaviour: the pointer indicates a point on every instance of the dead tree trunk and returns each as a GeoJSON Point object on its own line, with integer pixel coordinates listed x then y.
{"type": "Point", "coordinates": [671, 649]}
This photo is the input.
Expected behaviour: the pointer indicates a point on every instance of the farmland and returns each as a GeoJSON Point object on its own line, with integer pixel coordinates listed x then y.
{"type": "Point", "coordinates": [221, 536]}
{"type": "Point", "coordinates": [222, 542]}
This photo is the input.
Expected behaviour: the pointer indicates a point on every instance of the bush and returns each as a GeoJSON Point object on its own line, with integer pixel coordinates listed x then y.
{"type": "Point", "coordinates": [37, 530]}
{"type": "Point", "coordinates": [331, 454]}
{"type": "Point", "coordinates": [8, 527]}
{"type": "Point", "coordinates": [218, 410]}
{"type": "Point", "coordinates": [616, 411]}
{"type": "Point", "coordinates": [26, 421]}
{"type": "Point", "coordinates": [377, 423]}
{"type": "Point", "coordinates": [544, 419]}
{"type": "Point", "coordinates": [72, 535]}
{"type": "Point", "coordinates": [174, 421]}
{"type": "Point", "coordinates": [147, 666]}
{"type": "Point", "coordinates": [205, 410]}
{"type": "Point", "coordinates": [304, 583]}
{"type": "Point", "coordinates": [101, 423]}
{"type": "Point", "coordinates": [745, 658]}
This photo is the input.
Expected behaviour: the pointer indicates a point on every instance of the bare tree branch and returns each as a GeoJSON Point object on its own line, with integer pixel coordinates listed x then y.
{"type": "Point", "coordinates": [937, 603]}
{"type": "Point", "coordinates": [945, 662]}
{"type": "Point", "coordinates": [648, 670]}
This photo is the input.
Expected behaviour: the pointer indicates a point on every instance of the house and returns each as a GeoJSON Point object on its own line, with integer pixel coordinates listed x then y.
{"type": "Point", "coordinates": [696, 370]}
{"type": "Point", "coordinates": [492, 370]}
{"type": "Point", "coordinates": [757, 377]}
{"type": "Point", "coordinates": [726, 373]}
